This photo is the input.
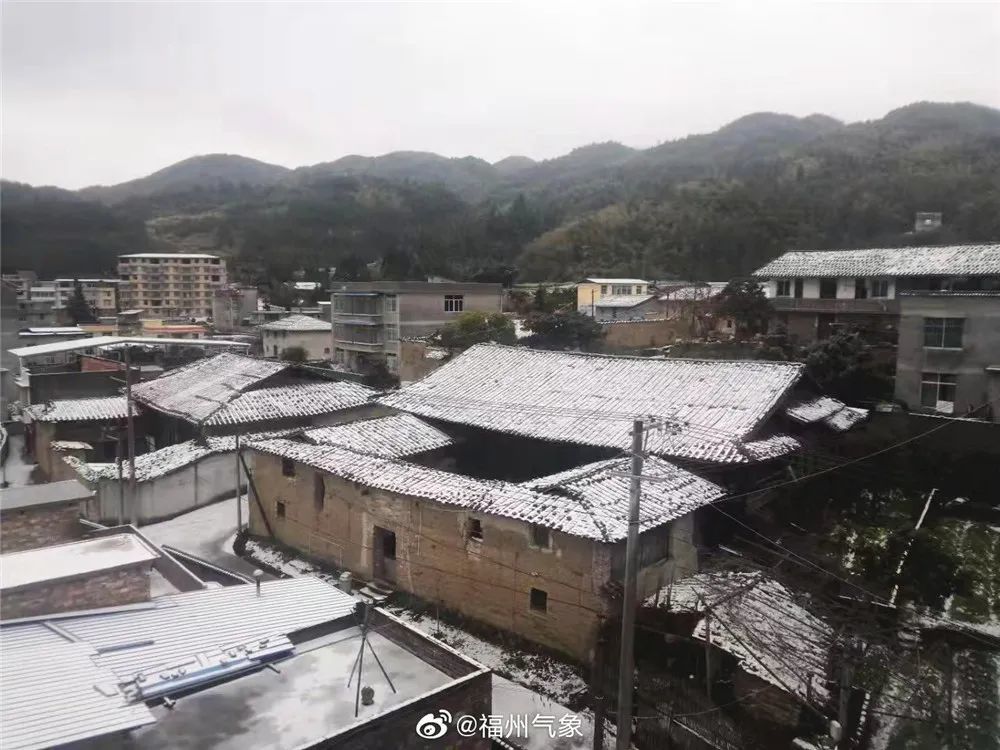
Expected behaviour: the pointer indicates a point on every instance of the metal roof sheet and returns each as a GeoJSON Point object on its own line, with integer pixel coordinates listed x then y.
{"type": "Point", "coordinates": [80, 410]}
{"type": "Point", "coordinates": [99, 341]}
{"type": "Point", "coordinates": [622, 300]}
{"type": "Point", "coordinates": [712, 406]}
{"type": "Point", "coordinates": [297, 323]}
{"type": "Point", "coordinates": [945, 260]}
{"type": "Point", "coordinates": [35, 495]}
{"type": "Point", "coordinates": [575, 515]}
{"type": "Point", "coordinates": [196, 391]}
{"type": "Point", "coordinates": [595, 280]}
{"type": "Point", "coordinates": [389, 437]}
{"type": "Point", "coordinates": [45, 564]}
{"type": "Point", "coordinates": [290, 401]}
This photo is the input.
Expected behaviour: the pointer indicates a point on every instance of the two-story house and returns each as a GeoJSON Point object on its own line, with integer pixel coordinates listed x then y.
{"type": "Point", "coordinates": [590, 291]}
{"type": "Point", "coordinates": [813, 292]}
{"type": "Point", "coordinates": [370, 317]}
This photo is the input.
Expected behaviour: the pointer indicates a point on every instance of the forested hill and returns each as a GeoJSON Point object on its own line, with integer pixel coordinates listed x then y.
{"type": "Point", "coordinates": [706, 206]}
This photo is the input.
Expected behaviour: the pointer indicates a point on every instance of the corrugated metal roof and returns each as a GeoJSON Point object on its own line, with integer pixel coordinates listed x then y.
{"type": "Point", "coordinates": [945, 260]}
{"type": "Point", "coordinates": [290, 401]}
{"type": "Point", "coordinates": [80, 410]}
{"type": "Point", "coordinates": [712, 405]}
{"type": "Point", "coordinates": [297, 323]}
{"type": "Point", "coordinates": [53, 700]}
{"type": "Point", "coordinates": [560, 512]}
{"type": "Point", "coordinates": [622, 300]}
{"type": "Point", "coordinates": [98, 341]}
{"type": "Point", "coordinates": [196, 391]}
{"type": "Point", "coordinates": [34, 495]}
{"type": "Point", "coordinates": [45, 564]}
{"type": "Point", "coordinates": [389, 437]}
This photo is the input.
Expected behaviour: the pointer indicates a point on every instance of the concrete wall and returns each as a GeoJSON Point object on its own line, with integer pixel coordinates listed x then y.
{"type": "Point", "coordinates": [316, 343]}
{"type": "Point", "coordinates": [63, 385]}
{"type": "Point", "coordinates": [488, 580]}
{"type": "Point", "coordinates": [980, 349]}
{"type": "Point", "coordinates": [110, 588]}
{"type": "Point", "coordinates": [50, 461]}
{"type": "Point", "coordinates": [40, 526]}
{"type": "Point", "coordinates": [423, 314]}
{"type": "Point", "coordinates": [192, 486]}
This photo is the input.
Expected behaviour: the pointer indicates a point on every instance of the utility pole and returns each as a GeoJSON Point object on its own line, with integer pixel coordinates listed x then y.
{"type": "Point", "coordinates": [597, 688]}
{"type": "Point", "coordinates": [239, 499]}
{"type": "Point", "coordinates": [626, 668]}
{"type": "Point", "coordinates": [133, 500]}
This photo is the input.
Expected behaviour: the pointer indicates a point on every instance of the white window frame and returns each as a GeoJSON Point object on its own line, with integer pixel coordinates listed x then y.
{"type": "Point", "coordinates": [945, 323]}
{"type": "Point", "coordinates": [391, 304]}
{"type": "Point", "coordinates": [941, 382]}
{"type": "Point", "coordinates": [783, 288]}
{"type": "Point", "coordinates": [879, 285]}
{"type": "Point", "coordinates": [454, 303]}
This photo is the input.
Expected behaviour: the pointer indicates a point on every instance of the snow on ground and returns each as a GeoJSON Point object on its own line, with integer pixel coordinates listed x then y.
{"type": "Point", "coordinates": [285, 563]}
{"type": "Point", "coordinates": [207, 532]}
{"type": "Point", "coordinates": [16, 469]}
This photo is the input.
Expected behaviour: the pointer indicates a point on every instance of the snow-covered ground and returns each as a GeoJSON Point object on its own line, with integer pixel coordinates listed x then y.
{"type": "Point", "coordinates": [207, 532]}
{"type": "Point", "coordinates": [16, 469]}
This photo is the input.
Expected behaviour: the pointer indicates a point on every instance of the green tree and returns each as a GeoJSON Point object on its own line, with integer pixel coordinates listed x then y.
{"type": "Point", "coordinates": [294, 354]}
{"type": "Point", "coordinates": [843, 366]}
{"type": "Point", "coordinates": [351, 268]}
{"type": "Point", "coordinates": [562, 330]}
{"type": "Point", "coordinates": [743, 300]}
{"type": "Point", "coordinates": [471, 328]}
{"type": "Point", "coordinates": [77, 308]}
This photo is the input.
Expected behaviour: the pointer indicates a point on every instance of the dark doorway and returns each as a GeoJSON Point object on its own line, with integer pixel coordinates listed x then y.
{"type": "Point", "coordinates": [384, 554]}
{"type": "Point", "coordinates": [828, 289]}
{"type": "Point", "coordinates": [824, 325]}
{"type": "Point", "coordinates": [798, 289]}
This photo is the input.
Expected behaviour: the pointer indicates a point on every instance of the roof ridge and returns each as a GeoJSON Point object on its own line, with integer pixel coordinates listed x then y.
{"type": "Point", "coordinates": [632, 357]}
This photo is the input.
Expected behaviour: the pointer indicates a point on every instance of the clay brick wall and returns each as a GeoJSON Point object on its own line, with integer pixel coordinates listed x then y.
{"type": "Point", "coordinates": [643, 334]}
{"type": "Point", "coordinates": [488, 580]}
{"type": "Point", "coordinates": [106, 589]}
{"type": "Point", "coordinates": [40, 527]}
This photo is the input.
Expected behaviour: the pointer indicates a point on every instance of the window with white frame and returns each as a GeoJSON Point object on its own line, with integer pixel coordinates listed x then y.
{"type": "Point", "coordinates": [391, 332]}
{"type": "Point", "coordinates": [937, 391]}
{"type": "Point", "coordinates": [454, 302]}
{"type": "Point", "coordinates": [784, 288]}
{"type": "Point", "coordinates": [604, 288]}
{"type": "Point", "coordinates": [943, 333]}
{"type": "Point", "coordinates": [390, 303]}
{"type": "Point", "coordinates": [621, 289]}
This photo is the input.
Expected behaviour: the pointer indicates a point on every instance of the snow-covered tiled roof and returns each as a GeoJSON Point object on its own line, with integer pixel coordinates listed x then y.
{"type": "Point", "coordinates": [761, 622]}
{"type": "Point", "coordinates": [603, 280]}
{"type": "Point", "coordinates": [813, 409]}
{"type": "Point", "coordinates": [161, 462]}
{"type": "Point", "coordinates": [291, 401]}
{"type": "Point", "coordinates": [607, 522]}
{"type": "Point", "coordinates": [196, 391]}
{"type": "Point", "coordinates": [80, 410]}
{"type": "Point", "coordinates": [389, 437]}
{"type": "Point", "coordinates": [846, 418]}
{"type": "Point", "coordinates": [603, 488]}
{"type": "Point", "coordinates": [297, 323]}
{"type": "Point", "coordinates": [713, 406]}
{"type": "Point", "coordinates": [622, 300]}
{"type": "Point", "coordinates": [945, 260]}
{"type": "Point", "coordinates": [694, 292]}
{"type": "Point", "coordinates": [774, 446]}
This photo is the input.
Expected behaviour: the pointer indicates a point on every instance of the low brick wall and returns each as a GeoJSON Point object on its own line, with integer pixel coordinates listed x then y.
{"type": "Point", "coordinates": [106, 589]}
{"type": "Point", "coordinates": [40, 527]}
{"type": "Point", "coordinates": [643, 334]}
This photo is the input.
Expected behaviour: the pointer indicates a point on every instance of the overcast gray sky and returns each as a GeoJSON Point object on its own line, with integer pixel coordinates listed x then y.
{"type": "Point", "coordinates": [101, 93]}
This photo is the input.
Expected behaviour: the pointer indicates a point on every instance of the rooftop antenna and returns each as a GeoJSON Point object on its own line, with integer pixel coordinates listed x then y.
{"type": "Point", "coordinates": [362, 610]}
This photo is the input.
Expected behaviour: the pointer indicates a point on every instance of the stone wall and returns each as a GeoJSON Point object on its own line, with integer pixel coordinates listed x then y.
{"type": "Point", "coordinates": [489, 580]}
{"type": "Point", "coordinates": [105, 589]}
{"type": "Point", "coordinates": [39, 527]}
{"type": "Point", "coordinates": [643, 334]}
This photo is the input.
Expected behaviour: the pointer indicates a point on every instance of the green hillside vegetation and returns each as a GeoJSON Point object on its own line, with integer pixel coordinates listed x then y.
{"type": "Point", "coordinates": [708, 206]}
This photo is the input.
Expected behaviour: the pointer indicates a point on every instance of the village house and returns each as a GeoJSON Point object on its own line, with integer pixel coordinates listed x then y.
{"type": "Point", "coordinates": [301, 331]}
{"type": "Point", "coordinates": [540, 559]}
{"type": "Point", "coordinates": [111, 676]}
{"type": "Point", "coordinates": [948, 357]}
{"type": "Point", "coordinates": [590, 291]}
{"type": "Point", "coordinates": [38, 515]}
{"type": "Point", "coordinates": [626, 307]}
{"type": "Point", "coordinates": [814, 292]}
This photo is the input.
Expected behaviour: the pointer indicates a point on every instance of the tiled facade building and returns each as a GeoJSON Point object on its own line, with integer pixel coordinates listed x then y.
{"type": "Point", "coordinates": [170, 284]}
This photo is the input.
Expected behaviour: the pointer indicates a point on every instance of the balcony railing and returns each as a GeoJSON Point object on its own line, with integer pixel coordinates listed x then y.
{"type": "Point", "coordinates": [804, 304]}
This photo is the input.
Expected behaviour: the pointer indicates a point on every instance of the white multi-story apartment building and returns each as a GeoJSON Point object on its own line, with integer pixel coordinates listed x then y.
{"type": "Point", "coordinates": [101, 294]}
{"type": "Point", "coordinates": [170, 284]}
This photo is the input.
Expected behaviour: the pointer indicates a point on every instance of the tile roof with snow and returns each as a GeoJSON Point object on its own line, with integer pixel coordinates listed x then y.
{"type": "Point", "coordinates": [947, 260]}
{"type": "Point", "coordinates": [75, 692]}
{"type": "Point", "coordinates": [292, 401]}
{"type": "Point", "coordinates": [594, 280]}
{"type": "Point", "coordinates": [389, 437]}
{"type": "Point", "coordinates": [196, 391]}
{"type": "Point", "coordinates": [605, 521]}
{"type": "Point", "coordinates": [713, 406]}
{"type": "Point", "coordinates": [831, 412]}
{"type": "Point", "coordinates": [297, 323]}
{"type": "Point", "coordinates": [622, 300]}
{"type": "Point", "coordinates": [97, 342]}
{"type": "Point", "coordinates": [80, 410]}
{"type": "Point", "coordinates": [762, 623]}
{"type": "Point", "coordinates": [694, 292]}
